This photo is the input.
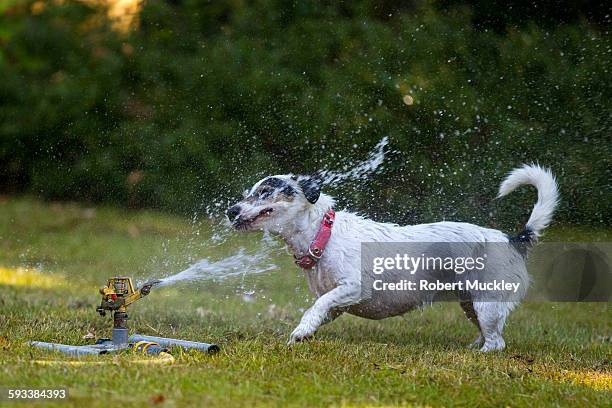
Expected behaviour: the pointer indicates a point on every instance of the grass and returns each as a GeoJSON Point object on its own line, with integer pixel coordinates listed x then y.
{"type": "Point", "coordinates": [54, 256]}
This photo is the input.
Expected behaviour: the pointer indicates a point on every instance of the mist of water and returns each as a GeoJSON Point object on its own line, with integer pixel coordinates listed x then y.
{"type": "Point", "coordinates": [233, 265]}
{"type": "Point", "coordinates": [260, 261]}
{"type": "Point", "coordinates": [361, 170]}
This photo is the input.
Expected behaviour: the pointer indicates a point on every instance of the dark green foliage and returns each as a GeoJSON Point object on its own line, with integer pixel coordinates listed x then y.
{"type": "Point", "coordinates": [496, 15]}
{"type": "Point", "coordinates": [205, 97]}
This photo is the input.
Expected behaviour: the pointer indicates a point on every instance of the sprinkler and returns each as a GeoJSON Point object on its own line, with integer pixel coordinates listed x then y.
{"type": "Point", "coordinates": [117, 295]}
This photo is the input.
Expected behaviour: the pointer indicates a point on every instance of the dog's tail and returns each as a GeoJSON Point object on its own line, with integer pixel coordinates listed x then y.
{"type": "Point", "coordinates": [548, 197]}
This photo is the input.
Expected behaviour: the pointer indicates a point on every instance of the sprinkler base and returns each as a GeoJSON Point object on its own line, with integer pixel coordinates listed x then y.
{"type": "Point", "coordinates": [137, 342]}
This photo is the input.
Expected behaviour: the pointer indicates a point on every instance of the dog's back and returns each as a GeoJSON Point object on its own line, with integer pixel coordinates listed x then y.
{"type": "Point", "coordinates": [488, 310]}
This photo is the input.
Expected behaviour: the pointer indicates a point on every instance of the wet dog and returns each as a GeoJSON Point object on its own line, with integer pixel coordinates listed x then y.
{"type": "Point", "coordinates": [294, 207]}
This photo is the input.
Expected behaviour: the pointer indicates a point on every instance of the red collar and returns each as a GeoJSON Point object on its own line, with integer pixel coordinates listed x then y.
{"type": "Point", "coordinates": [318, 244]}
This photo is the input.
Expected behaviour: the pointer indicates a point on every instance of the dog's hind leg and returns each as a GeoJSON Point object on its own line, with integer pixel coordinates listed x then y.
{"type": "Point", "coordinates": [470, 313]}
{"type": "Point", "coordinates": [491, 318]}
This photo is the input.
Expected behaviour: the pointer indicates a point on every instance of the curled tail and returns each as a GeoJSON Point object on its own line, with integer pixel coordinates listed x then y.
{"type": "Point", "coordinates": [548, 196]}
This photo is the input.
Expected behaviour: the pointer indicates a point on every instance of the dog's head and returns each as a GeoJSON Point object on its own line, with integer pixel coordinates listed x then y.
{"type": "Point", "coordinates": [274, 202]}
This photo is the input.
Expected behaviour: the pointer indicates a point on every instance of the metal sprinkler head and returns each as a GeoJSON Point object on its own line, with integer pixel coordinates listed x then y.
{"type": "Point", "coordinates": [117, 295]}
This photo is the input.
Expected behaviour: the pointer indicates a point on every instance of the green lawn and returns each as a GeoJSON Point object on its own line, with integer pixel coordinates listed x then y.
{"type": "Point", "coordinates": [557, 354]}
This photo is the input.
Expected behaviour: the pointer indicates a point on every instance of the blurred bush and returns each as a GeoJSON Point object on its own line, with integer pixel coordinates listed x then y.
{"type": "Point", "coordinates": [202, 98]}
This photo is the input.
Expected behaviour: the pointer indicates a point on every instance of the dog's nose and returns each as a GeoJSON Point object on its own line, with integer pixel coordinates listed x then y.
{"type": "Point", "coordinates": [233, 212]}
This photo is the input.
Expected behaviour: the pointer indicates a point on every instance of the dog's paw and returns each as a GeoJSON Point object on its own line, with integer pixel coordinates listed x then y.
{"type": "Point", "coordinates": [301, 333]}
{"type": "Point", "coordinates": [492, 345]}
{"type": "Point", "coordinates": [476, 344]}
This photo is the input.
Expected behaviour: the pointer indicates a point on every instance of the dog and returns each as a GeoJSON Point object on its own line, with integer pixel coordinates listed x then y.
{"type": "Point", "coordinates": [294, 208]}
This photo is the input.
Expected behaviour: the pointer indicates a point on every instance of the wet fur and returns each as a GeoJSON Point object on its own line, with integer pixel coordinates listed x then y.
{"type": "Point", "coordinates": [293, 206]}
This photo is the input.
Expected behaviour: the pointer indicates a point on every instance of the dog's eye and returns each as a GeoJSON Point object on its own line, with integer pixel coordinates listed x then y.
{"type": "Point", "coordinates": [265, 192]}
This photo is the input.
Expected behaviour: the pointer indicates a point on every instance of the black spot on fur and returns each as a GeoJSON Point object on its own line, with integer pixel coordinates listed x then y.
{"type": "Point", "coordinates": [523, 241]}
{"type": "Point", "coordinates": [275, 184]}
{"type": "Point", "coordinates": [311, 186]}
{"type": "Point", "coordinates": [468, 309]}
{"type": "Point", "coordinates": [525, 235]}
{"type": "Point", "coordinates": [288, 191]}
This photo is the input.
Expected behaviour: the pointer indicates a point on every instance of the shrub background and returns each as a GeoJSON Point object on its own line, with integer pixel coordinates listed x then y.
{"type": "Point", "coordinates": [200, 99]}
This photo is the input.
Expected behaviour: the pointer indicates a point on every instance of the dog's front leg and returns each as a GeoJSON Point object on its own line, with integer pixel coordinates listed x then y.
{"type": "Point", "coordinates": [343, 295]}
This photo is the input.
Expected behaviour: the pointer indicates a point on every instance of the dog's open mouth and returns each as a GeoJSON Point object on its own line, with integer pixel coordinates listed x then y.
{"type": "Point", "coordinates": [242, 223]}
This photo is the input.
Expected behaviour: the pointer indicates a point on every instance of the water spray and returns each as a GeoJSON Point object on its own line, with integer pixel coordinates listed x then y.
{"type": "Point", "coordinates": [117, 295]}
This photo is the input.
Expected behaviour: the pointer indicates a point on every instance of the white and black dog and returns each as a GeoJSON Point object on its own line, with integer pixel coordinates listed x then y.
{"type": "Point", "coordinates": [294, 207]}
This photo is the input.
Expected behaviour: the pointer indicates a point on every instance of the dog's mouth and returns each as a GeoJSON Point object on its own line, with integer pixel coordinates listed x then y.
{"type": "Point", "coordinates": [243, 224]}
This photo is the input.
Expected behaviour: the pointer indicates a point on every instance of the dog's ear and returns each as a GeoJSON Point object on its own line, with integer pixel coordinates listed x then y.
{"type": "Point", "coordinates": [311, 186]}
